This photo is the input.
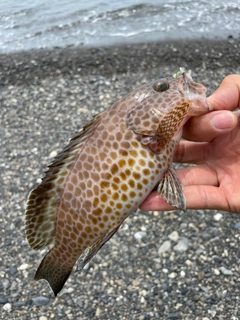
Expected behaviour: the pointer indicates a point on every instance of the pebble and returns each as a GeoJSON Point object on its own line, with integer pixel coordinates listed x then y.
{"type": "Point", "coordinates": [173, 316]}
{"type": "Point", "coordinates": [43, 318]}
{"type": "Point", "coordinates": [216, 271]}
{"type": "Point", "coordinates": [200, 275]}
{"type": "Point", "coordinates": [182, 274]}
{"type": "Point", "coordinates": [223, 294]}
{"type": "Point", "coordinates": [140, 235]}
{"type": "Point", "coordinates": [218, 216]}
{"type": "Point", "coordinates": [182, 245]}
{"type": "Point", "coordinates": [204, 289]}
{"type": "Point", "coordinates": [7, 307]}
{"type": "Point", "coordinates": [5, 284]}
{"type": "Point", "coordinates": [174, 236]}
{"type": "Point", "coordinates": [226, 271]}
{"type": "Point", "coordinates": [40, 301]}
{"type": "Point", "coordinates": [24, 266]}
{"type": "Point", "coordinates": [172, 275]}
{"type": "Point", "coordinates": [3, 300]}
{"type": "Point", "coordinates": [12, 270]}
{"type": "Point", "coordinates": [97, 312]}
{"type": "Point", "coordinates": [236, 225]}
{"type": "Point", "coordinates": [53, 154]}
{"type": "Point", "coordinates": [166, 246]}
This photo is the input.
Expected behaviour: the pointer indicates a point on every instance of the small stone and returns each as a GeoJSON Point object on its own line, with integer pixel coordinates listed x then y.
{"type": "Point", "coordinates": [226, 271]}
{"type": "Point", "coordinates": [182, 274]}
{"type": "Point", "coordinates": [140, 235]}
{"type": "Point", "coordinates": [213, 313]}
{"type": "Point", "coordinates": [13, 286]}
{"type": "Point", "coordinates": [12, 270]}
{"type": "Point", "coordinates": [173, 316]}
{"type": "Point", "coordinates": [216, 271]}
{"type": "Point", "coordinates": [200, 275]}
{"type": "Point", "coordinates": [97, 312]}
{"type": "Point", "coordinates": [7, 307]}
{"type": "Point", "coordinates": [5, 283]}
{"type": "Point", "coordinates": [218, 216]}
{"type": "Point", "coordinates": [188, 263]}
{"type": "Point", "coordinates": [166, 246]}
{"type": "Point", "coordinates": [53, 154]}
{"type": "Point", "coordinates": [172, 275]}
{"type": "Point", "coordinates": [40, 301]}
{"type": "Point", "coordinates": [24, 266]}
{"type": "Point", "coordinates": [43, 318]}
{"type": "Point", "coordinates": [68, 290]}
{"type": "Point", "coordinates": [199, 251]}
{"type": "Point", "coordinates": [142, 300]}
{"type": "Point", "coordinates": [182, 245]}
{"type": "Point", "coordinates": [174, 236]}
{"type": "Point", "coordinates": [3, 300]}
{"type": "Point", "coordinates": [237, 225]}
{"type": "Point", "coordinates": [224, 294]}
{"type": "Point", "coordinates": [204, 289]}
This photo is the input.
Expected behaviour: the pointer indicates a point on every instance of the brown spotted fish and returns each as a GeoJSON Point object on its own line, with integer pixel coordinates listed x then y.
{"type": "Point", "coordinates": [107, 170]}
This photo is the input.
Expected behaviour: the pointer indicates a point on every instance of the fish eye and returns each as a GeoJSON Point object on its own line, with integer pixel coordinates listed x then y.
{"type": "Point", "coordinates": [161, 86]}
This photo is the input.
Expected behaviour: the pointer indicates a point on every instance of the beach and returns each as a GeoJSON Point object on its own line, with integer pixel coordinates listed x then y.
{"type": "Point", "coordinates": [46, 96]}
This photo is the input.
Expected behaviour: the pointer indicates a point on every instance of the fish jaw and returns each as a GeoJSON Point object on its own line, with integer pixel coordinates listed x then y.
{"type": "Point", "coordinates": [195, 93]}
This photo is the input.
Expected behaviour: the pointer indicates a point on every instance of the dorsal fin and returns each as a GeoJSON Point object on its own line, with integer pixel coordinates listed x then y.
{"type": "Point", "coordinates": [43, 201]}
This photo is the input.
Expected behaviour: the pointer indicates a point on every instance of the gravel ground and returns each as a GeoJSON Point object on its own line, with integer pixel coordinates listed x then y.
{"type": "Point", "coordinates": [160, 265]}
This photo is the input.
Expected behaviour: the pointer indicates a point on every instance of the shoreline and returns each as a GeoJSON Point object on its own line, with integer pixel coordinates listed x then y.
{"type": "Point", "coordinates": [29, 67]}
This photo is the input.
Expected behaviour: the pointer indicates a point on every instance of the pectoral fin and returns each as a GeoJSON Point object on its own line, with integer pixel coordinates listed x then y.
{"type": "Point", "coordinates": [155, 128]}
{"type": "Point", "coordinates": [171, 190]}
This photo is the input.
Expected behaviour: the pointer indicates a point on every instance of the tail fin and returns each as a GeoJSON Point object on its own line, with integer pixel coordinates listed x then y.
{"type": "Point", "coordinates": [55, 273]}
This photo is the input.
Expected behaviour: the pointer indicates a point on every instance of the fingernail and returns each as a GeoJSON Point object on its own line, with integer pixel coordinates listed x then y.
{"type": "Point", "coordinates": [223, 121]}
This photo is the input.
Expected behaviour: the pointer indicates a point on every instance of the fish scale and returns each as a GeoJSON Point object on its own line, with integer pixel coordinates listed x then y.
{"type": "Point", "coordinates": [107, 171]}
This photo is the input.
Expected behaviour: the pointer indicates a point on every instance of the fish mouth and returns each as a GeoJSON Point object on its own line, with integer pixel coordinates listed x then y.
{"type": "Point", "coordinates": [185, 77]}
{"type": "Point", "coordinates": [198, 99]}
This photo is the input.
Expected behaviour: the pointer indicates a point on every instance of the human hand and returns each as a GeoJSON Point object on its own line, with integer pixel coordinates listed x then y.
{"type": "Point", "coordinates": [213, 144]}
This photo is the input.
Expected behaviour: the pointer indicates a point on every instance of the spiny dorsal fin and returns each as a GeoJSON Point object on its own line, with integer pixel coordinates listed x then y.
{"type": "Point", "coordinates": [43, 201]}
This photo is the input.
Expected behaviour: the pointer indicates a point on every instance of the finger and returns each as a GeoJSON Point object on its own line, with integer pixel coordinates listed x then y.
{"type": "Point", "coordinates": [208, 126]}
{"type": "Point", "coordinates": [191, 152]}
{"type": "Point", "coordinates": [198, 175]}
{"type": "Point", "coordinates": [197, 197]}
{"type": "Point", "coordinates": [206, 197]}
{"type": "Point", "coordinates": [155, 203]}
{"type": "Point", "coordinates": [227, 96]}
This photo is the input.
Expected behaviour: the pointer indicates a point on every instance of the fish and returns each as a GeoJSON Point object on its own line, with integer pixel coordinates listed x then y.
{"type": "Point", "coordinates": [107, 170]}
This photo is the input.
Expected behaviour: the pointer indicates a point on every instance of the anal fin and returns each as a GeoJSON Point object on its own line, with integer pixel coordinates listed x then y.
{"type": "Point", "coordinates": [171, 190]}
{"type": "Point", "coordinates": [90, 251]}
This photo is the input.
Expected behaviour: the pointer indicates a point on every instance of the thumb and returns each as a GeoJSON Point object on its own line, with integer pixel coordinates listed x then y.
{"type": "Point", "coordinates": [206, 127]}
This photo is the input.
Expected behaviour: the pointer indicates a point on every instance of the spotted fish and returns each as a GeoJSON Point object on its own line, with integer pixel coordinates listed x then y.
{"type": "Point", "coordinates": [107, 170]}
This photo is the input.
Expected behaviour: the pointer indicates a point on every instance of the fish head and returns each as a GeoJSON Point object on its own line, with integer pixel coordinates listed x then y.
{"type": "Point", "coordinates": [163, 107]}
{"type": "Point", "coordinates": [168, 93]}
